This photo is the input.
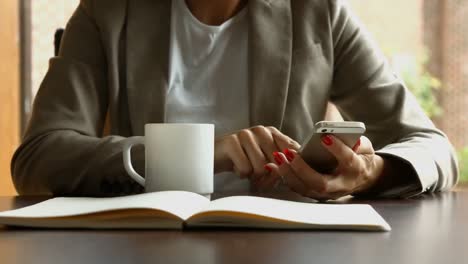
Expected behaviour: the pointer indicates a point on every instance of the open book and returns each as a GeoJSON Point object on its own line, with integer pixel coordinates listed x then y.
{"type": "Point", "coordinates": [178, 209]}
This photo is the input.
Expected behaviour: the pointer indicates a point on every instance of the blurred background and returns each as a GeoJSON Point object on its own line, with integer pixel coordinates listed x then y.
{"type": "Point", "coordinates": [426, 41]}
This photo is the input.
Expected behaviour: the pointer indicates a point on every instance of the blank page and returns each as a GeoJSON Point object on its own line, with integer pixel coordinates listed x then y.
{"type": "Point", "coordinates": [179, 203]}
{"type": "Point", "coordinates": [339, 215]}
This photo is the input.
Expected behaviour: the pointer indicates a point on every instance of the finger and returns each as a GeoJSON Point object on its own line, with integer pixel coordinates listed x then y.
{"type": "Point", "coordinates": [282, 141]}
{"type": "Point", "coordinates": [314, 190]}
{"type": "Point", "coordinates": [269, 182]}
{"type": "Point", "coordinates": [241, 163]}
{"type": "Point", "coordinates": [321, 186]}
{"type": "Point", "coordinates": [364, 146]}
{"type": "Point", "coordinates": [290, 179]}
{"type": "Point", "coordinates": [254, 153]}
{"type": "Point", "coordinates": [295, 183]}
{"type": "Point", "coordinates": [357, 145]}
{"type": "Point", "coordinates": [265, 141]}
{"type": "Point", "coordinates": [313, 180]}
{"type": "Point", "coordinates": [343, 154]}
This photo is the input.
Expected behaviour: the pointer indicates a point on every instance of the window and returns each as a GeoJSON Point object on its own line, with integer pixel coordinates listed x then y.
{"type": "Point", "coordinates": [427, 43]}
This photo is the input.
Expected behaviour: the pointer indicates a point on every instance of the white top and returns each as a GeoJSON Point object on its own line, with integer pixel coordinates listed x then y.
{"type": "Point", "coordinates": [208, 77]}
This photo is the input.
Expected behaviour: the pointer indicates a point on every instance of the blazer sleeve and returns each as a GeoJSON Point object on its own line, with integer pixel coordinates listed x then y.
{"type": "Point", "coordinates": [63, 151]}
{"type": "Point", "coordinates": [366, 89]}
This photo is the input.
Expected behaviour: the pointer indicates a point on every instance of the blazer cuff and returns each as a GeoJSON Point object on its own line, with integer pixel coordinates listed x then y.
{"type": "Point", "coordinates": [422, 164]}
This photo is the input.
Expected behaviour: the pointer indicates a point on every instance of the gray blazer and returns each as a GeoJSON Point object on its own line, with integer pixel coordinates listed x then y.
{"type": "Point", "coordinates": [113, 65]}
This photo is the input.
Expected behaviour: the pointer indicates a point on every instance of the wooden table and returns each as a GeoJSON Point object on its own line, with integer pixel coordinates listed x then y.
{"type": "Point", "coordinates": [429, 229]}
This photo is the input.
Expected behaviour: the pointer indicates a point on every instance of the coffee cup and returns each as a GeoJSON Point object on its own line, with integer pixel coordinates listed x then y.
{"type": "Point", "coordinates": [177, 157]}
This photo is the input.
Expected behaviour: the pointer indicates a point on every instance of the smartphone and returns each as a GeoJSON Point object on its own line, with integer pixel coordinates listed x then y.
{"type": "Point", "coordinates": [320, 158]}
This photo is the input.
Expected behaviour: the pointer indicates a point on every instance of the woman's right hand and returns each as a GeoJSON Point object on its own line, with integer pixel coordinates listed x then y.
{"type": "Point", "coordinates": [246, 152]}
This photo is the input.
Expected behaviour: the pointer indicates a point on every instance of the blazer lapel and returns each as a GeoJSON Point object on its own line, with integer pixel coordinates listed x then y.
{"type": "Point", "coordinates": [270, 47]}
{"type": "Point", "coordinates": [148, 32]}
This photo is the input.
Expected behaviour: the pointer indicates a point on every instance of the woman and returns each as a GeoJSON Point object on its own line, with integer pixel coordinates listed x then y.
{"type": "Point", "coordinates": [261, 70]}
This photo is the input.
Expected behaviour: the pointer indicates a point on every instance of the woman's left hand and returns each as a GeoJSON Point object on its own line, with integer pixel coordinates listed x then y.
{"type": "Point", "coordinates": [358, 170]}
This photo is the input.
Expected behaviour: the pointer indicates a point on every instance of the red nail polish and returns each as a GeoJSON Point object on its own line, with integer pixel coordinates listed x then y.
{"type": "Point", "coordinates": [267, 168]}
{"type": "Point", "coordinates": [289, 154]}
{"type": "Point", "coordinates": [278, 158]}
{"type": "Point", "coordinates": [327, 140]}
{"type": "Point", "coordinates": [358, 144]}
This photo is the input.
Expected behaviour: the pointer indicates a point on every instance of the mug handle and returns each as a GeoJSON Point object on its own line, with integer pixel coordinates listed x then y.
{"type": "Point", "coordinates": [127, 158]}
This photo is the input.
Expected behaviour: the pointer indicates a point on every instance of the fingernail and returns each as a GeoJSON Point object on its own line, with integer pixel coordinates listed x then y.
{"type": "Point", "coordinates": [327, 140]}
{"type": "Point", "coordinates": [289, 155]}
{"type": "Point", "coordinates": [267, 168]}
{"type": "Point", "coordinates": [278, 158]}
{"type": "Point", "coordinates": [358, 144]}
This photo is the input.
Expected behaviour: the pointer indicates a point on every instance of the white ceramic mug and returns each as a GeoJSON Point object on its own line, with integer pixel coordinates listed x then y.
{"type": "Point", "coordinates": [177, 157]}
